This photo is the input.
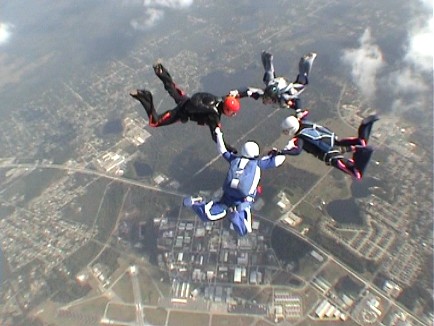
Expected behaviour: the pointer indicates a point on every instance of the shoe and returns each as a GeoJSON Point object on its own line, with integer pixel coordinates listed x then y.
{"type": "Point", "coordinates": [145, 98]}
{"type": "Point", "coordinates": [304, 68]}
{"type": "Point", "coordinates": [267, 61]}
{"type": "Point", "coordinates": [134, 94]}
{"type": "Point", "coordinates": [158, 68]}
{"type": "Point", "coordinates": [362, 156]}
{"type": "Point", "coordinates": [365, 127]}
{"type": "Point", "coordinates": [190, 201]}
{"type": "Point", "coordinates": [301, 114]}
{"type": "Point", "coordinates": [248, 222]}
{"type": "Point", "coordinates": [142, 95]}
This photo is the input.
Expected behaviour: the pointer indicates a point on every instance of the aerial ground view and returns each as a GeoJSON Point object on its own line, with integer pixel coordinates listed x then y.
{"type": "Point", "coordinates": [94, 227]}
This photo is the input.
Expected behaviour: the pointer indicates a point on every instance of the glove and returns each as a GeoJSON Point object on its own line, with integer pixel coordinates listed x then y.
{"type": "Point", "coordinates": [255, 96]}
{"type": "Point", "coordinates": [273, 152]}
{"type": "Point", "coordinates": [290, 104]}
{"type": "Point", "coordinates": [234, 93]}
{"type": "Point", "coordinates": [301, 114]}
{"type": "Point", "coordinates": [231, 149]}
{"type": "Point", "coordinates": [291, 144]}
{"type": "Point", "coordinates": [254, 93]}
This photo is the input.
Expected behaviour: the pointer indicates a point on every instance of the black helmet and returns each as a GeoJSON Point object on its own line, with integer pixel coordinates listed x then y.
{"type": "Point", "coordinates": [271, 91]}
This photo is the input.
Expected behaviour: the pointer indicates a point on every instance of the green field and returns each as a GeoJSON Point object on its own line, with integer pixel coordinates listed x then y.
{"type": "Point", "coordinates": [177, 318]}
{"type": "Point", "coordinates": [121, 312]}
{"type": "Point", "coordinates": [226, 320]}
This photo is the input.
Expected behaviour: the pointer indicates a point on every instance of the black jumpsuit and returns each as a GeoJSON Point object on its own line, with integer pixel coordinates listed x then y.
{"type": "Point", "coordinates": [203, 108]}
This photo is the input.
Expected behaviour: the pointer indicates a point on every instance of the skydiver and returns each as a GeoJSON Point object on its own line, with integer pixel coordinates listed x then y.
{"type": "Point", "coordinates": [203, 108]}
{"type": "Point", "coordinates": [325, 145]}
{"type": "Point", "coordinates": [278, 90]}
{"type": "Point", "coordinates": [239, 188]}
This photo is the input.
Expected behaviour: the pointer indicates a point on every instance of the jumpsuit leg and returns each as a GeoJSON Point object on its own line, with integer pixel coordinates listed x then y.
{"type": "Point", "coordinates": [359, 146]}
{"type": "Point", "coordinates": [361, 158]}
{"type": "Point", "coordinates": [355, 166]}
{"type": "Point", "coordinates": [297, 105]}
{"type": "Point", "coordinates": [241, 220]}
{"type": "Point", "coordinates": [366, 126]}
{"type": "Point", "coordinates": [174, 91]}
{"type": "Point", "coordinates": [155, 120]}
{"type": "Point", "coordinates": [346, 165]}
{"type": "Point", "coordinates": [304, 67]}
{"type": "Point", "coordinates": [267, 62]}
{"type": "Point", "coordinates": [209, 212]}
{"type": "Point", "coordinates": [349, 144]}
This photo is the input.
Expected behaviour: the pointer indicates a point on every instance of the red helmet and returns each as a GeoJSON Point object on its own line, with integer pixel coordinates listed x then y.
{"type": "Point", "coordinates": [231, 105]}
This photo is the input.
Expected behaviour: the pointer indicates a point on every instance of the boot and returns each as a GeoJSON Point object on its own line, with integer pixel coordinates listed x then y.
{"type": "Point", "coordinates": [361, 157]}
{"type": "Point", "coordinates": [304, 67]}
{"type": "Point", "coordinates": [190, 201]}
{"type": "Point", "coordinates": [145, 98]}
{"type": "Point", "coordinates": [161, 71]}
{"type": "Point", "coordinates": [267, 61]}
{"type": "Point", "coordinates": [365, 127]}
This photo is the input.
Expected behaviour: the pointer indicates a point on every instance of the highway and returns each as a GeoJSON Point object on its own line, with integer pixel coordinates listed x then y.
{"type": "Point", "coordinates": [70, 168]}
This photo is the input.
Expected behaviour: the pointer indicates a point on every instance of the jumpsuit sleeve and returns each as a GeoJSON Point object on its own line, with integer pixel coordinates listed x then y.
{"type": "Point", "coordinates": [223, 148]}
{"type": "Point", "coordinates": [271, 161]}
{"type": "Point", "coordinates": [212, 128]}
{"type": "Point", "coordinates": [213, 124]}
{"type": "Point", "coordinates": [294, 147]}
{"type": "Point", "coordinates": [252, 92]}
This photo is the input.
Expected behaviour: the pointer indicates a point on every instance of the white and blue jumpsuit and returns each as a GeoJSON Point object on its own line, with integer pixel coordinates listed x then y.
{"type": "Point", "coordinates": [278, 90]}
{"type": "Point", "coordinates": [237, 209]}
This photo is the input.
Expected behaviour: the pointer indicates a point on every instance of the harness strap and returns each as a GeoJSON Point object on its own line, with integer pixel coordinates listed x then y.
{"type": "Point", "coordinates": [241, 166]}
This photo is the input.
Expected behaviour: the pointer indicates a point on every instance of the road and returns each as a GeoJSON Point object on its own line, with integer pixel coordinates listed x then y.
{"type": "Point", "coordinates": [242, 138]}
{"type": "Point", "coordinates": [137, 296]}
{"type": "Point", "coordinates": [70, 168]}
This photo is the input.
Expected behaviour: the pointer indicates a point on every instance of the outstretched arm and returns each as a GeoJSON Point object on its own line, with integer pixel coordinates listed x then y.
{"type": "Point", "coordinates": [271, 161]}
{"type": "Point", "coordinates": [213, 128]}
{"type": "Point", "coordinates": [252, 92]}
{"type": "Point", "coordinates": [294, 147]}
{"type": "Point", "coordinates": [221, 145]}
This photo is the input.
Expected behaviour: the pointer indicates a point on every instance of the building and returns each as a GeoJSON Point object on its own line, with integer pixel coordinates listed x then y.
{"type": "Point", "coordinates": [317, 256]}
{"type": "Point", "coordinates": [237, 275]}
{"type": "Point", "coordinates": [292, 219]}
{"type": "Point", "coordinates": [133, 131]}
{"type": "Point", "coordinates": [392, 289]}
{"type": "Point", "coordinates": [283, 202]}
{"type": "Point", "coordinates": [113, 163]}
{"type": "Point", "coordinates": [326, 310]}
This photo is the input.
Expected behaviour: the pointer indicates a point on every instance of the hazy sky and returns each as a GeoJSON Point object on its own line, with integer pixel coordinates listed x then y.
{"type": "Point", "coordinates": [49, 34]}
{"type": "Point", "coordinates": [369, 66]}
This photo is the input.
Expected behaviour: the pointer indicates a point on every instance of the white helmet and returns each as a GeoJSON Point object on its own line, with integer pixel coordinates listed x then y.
{"type": "Point", "coordinates": [290, 125]}
{"type": "Point", "coordinates": [250, 150]}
